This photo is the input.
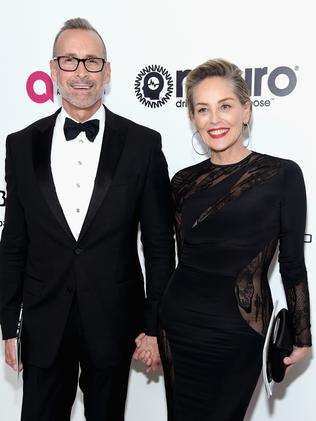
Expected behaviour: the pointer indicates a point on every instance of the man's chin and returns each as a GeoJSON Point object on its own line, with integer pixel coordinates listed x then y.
{"type": "Point", "coordinates": [80, 104]}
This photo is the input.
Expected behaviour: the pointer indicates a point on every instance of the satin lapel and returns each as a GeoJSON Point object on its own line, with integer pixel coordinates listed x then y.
{"type": "Point", "coordinates": [112, 147]}
{"type": "Point", "coordinates": [42, 143]}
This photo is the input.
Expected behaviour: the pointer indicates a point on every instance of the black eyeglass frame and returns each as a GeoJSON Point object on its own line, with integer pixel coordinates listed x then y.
{"type": "Point", "coordinates": [83, 60]}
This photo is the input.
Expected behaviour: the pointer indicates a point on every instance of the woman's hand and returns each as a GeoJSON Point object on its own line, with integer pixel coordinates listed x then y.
{"type": "Point", "coordinates": [297, 355]}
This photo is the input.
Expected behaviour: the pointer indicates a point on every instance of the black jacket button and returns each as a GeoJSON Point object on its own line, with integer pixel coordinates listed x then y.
{"type": "Point", "coordinates": [78, 251]}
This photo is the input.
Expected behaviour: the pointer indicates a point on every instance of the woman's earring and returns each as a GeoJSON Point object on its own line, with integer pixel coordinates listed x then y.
{"type": "Point", "coordinates": [247, 127]}
{"type": "Point", "coordinates": [195, 150]}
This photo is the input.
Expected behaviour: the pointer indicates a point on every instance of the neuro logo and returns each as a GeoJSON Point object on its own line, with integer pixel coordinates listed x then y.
{"type": "Point", "coordinates": [34, 93]}
{"type": "Point", "coordinates": [153, 86]}
{"type": "Point", "coordinates": [262, 83]}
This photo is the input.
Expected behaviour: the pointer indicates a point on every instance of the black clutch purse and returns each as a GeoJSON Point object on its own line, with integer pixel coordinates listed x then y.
{"type": "Point", "coordinates": [280, 346]}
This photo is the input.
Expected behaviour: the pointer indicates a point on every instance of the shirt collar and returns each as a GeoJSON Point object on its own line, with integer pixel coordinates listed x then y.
{"type": "Point", "coordinates": [99, 115]}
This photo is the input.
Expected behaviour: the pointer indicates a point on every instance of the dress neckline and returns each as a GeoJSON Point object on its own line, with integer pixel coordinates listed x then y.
{"type": "Point", "coordinates": [234, 163]}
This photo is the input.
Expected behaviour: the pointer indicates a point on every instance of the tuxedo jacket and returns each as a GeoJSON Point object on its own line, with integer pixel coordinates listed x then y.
{"type": "Point", "coordinates": [43, 266]}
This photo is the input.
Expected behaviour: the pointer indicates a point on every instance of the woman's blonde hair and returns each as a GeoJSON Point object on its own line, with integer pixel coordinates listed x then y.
{"type": "Point", "coordinates": [219, 68]}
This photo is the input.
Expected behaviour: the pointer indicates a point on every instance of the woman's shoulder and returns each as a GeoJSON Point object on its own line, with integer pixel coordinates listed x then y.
{"type": "Point", "coordinates": [188, 173]}
{"type": "Point", "coordinates": [288, 165]}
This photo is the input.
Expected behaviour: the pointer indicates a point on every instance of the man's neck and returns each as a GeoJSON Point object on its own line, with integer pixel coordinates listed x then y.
{"type": "Point", "coordinates": [81, 115]}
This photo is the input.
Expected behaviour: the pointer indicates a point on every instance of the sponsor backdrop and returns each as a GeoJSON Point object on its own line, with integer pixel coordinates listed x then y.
{"type": "Point", "coordinates": [152, 46]}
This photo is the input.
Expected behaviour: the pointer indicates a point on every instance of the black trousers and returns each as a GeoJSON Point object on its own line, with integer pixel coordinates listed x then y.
{"type": "Point", "coordinates": [49, 393]}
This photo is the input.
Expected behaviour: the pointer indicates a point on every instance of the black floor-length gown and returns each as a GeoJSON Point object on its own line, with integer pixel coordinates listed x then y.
{"type": "Point", "coordinates": [216, 308]}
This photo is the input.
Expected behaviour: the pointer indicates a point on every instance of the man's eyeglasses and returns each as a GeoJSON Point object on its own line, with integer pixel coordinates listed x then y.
{"type": "Point", "coordinates": [70, 64]}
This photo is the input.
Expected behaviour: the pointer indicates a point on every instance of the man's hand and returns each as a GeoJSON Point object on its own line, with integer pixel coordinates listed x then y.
{"type": "Point", "coordinates": [10, 353]}
{"type": "Point", "coordinates": [147, 351]}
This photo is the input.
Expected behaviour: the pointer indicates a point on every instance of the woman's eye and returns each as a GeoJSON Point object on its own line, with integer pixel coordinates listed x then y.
{"type": "Point", "coordinates": [226, 107]}
{"type": "Point", "coordinates": [202, 110]}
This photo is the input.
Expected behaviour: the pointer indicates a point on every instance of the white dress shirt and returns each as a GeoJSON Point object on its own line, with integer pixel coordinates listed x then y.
{"type": "Point", "coordinates": [74, 165]}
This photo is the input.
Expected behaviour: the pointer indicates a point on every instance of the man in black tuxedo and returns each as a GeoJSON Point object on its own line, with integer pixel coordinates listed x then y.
{"type": "Point", "coordinates": [79, 184]}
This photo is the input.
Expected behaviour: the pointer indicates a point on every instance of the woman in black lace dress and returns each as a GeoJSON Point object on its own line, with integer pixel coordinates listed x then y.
{"type": "Point", "coordinates": [231, 211]}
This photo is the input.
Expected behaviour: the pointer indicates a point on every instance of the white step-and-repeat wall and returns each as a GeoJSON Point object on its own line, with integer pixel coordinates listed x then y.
{"type": "Point", "coordinates": [271, 42]}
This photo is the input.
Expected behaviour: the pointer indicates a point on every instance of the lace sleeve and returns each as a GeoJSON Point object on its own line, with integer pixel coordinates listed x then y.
{"type": "Point", "coordinates": [298, 304]}
{"type": "Point", "coordinates": [291, 257]}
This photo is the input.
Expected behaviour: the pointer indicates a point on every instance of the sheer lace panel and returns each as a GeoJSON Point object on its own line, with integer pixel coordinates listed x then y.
{"type": "Point", "coordinates": [254, 175]}
{"type": "Point", "coordinates": [252, 290]}
{"type": "Point", "coordinates": [297, 297]}
{"type": "Point", "coordinates": [168, 368]}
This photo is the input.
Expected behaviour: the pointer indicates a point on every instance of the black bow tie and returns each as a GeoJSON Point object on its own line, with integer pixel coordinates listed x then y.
{"type": "Point", "coordinates": [72, 129]}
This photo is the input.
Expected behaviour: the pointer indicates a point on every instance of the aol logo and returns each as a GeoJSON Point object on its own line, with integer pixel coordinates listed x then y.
{"type": "Point", "coordinates": [34, 89]}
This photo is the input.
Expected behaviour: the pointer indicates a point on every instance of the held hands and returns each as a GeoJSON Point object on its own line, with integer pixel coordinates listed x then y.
{"type": "Point", "coordinates": [10, 354]}
{"type": "Point", "coordinates": [147, 352]}
{"type": "Point", "coordinates": [298, 354]}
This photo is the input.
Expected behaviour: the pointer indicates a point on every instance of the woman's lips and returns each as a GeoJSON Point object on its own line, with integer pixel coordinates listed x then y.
{"type": "Point", "coordinates": [218, 133]}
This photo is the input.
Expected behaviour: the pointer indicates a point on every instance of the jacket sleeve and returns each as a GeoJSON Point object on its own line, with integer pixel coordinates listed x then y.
{"type": "Point", "coordinates": [156, 234]}
{"type": "Point", "coordinates": [291, 257]}
{"type": "Point", "coordinates": [13, 249]}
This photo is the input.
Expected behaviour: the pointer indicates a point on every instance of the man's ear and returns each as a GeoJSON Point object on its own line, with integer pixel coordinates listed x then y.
{"type": "Point", "coordinates": [107, 75]}
{"type": "Point", "coordinates": [53, 71]}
